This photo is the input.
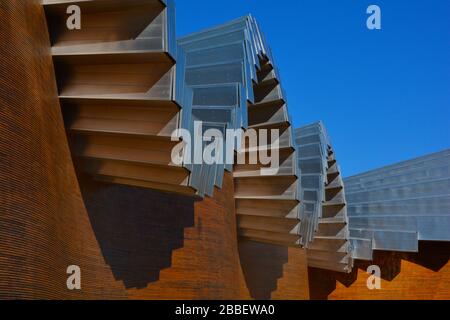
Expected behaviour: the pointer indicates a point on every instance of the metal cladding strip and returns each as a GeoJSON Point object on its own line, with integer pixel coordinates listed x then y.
{"type": "Point", "coordinates": [324, 222]}
{"type": "Point", "coordinates": [396, 206]}
{"type": "Point", "coordinates": [230, 71]}
{"type": "Point", "coordinates": [312, 143]}
{"type": "Point", "coordinates": [214, 73]}
{"type": "Point", "coordinates": [117, 86]}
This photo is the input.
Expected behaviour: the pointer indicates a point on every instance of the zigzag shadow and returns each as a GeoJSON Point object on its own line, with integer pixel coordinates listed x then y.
{"type": "Point", "coordinates": [137, 229]}
{"type": "Point", "coordinates": [262, 265]}
{"type": "Point", "coordinates": [432, 255]}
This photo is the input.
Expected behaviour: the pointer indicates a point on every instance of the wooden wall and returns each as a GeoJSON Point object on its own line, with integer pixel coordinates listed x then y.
{"type": "Point", "coordinates": [161, 246]}
{"type": "Point", "coordinates": [274, 272]}
{"type": "Point", "coordinates": [129, 242]}
{"type": "Point", "coordinates": [44, 226]}
{"type": "Point", "coordinates": [416, 276]}
{"type": "Point", "coordinates": [137, 243]}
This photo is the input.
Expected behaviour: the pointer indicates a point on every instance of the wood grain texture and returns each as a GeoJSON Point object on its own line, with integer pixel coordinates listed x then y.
{"type": "Point", "coordinates": [404, 276]}
{"type": "Point", "coordinates": [130, 242]}
{"type": "Point", "coordinates": [44, 226]}
{"type": "Point", "coordinates": [273, 271]}
{"type": "Point", "coordinates": [208, 265]}
{"type": "Point", "coordinates": [135, 243]}
{"type": "Point", "coordinates": [294, 283]}
{"type": "Point", "coordinates": [164, 246]}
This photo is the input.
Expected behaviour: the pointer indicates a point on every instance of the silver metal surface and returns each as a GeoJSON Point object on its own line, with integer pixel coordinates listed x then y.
{"type": "Point", "coordinates": [324, 224]}
{"type": "Point", "coordinates": [396, 206]}
{"type": "Point", "coordinates": [220, 69]}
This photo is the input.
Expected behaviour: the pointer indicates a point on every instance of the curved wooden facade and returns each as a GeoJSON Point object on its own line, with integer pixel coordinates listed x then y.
{"type": "Point", "coordinates": [44, 224]}
{"type": "Point", "coordinates": [133, 242]}
{"type": "Point", "coordinates": [130, 242]}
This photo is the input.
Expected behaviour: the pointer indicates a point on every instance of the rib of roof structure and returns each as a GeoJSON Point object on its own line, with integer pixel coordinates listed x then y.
{"type": "Point", "coordinates": [231, 82]}
{"type": "Point", "coordinates": [324, 222]}
{"type": "Point", "coordinates": [116, 80]}
{"type": "Point", "coordinates": [395, 207]}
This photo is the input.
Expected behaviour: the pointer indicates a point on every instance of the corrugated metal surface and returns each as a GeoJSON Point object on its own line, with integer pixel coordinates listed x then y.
{"type": "Point", "coordinates": [398, 205]}
{"type": "Point", "coordinates": [324, 223]}
{"type": "Point", "coordinates": [231, 82]}
{"type": "Point", "coordinates": [220, 68]}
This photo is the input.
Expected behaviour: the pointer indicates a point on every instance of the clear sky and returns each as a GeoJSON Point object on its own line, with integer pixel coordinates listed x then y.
{"type": "Point", "coordinates": [384, 95]}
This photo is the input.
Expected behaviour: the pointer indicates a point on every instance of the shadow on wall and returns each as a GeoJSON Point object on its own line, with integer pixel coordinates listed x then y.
{"type": "Point", "coordinates": [262, 265]}
{"type": "Point", "coordinates": [432, 255]}
{"type": "Point", "coordinates": [137, 229]}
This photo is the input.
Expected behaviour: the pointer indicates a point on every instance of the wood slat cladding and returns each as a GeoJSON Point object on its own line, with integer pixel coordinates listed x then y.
{"type": "Point", "coordinates": [129, 242]}
{"type": "Point", "coordinates": [44, 226]}
{"type": "Point", "coordinates": [404, 276]}
{"type": "Point", "coordinates": [207, 266]}
{"type": "Point", "coordinates": [273, 271]}
{"type": "Point", "coordinates": [124, 243]}
{"type": "Point", "coordinates": [136, 243]}
{"type": "Point", "coordinates": [44, 223]}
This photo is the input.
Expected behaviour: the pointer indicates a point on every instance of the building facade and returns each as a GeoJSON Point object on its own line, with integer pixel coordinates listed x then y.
{"type": "Point", "coordinates": [88, 177]}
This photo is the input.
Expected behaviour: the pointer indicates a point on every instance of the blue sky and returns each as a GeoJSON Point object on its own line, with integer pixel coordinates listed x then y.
{"type": "Point", "coordinates": [384, 95]}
